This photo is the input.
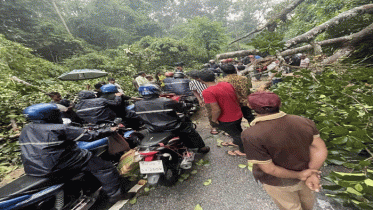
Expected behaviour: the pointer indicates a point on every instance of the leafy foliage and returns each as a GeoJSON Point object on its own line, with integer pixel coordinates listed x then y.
{"type": "Point", "coordinates": [268, 42]}
{"type": "Point", "coordinates": [340, 102]}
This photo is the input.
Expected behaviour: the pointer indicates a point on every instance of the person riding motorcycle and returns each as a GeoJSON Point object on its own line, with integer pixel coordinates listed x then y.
{"type": "Point", "coordinates": [180, 85]}
{"type": "Point", "coordinates": [95, 110]}
{"type": "Point", "coordinates": [129, 117]}
{"type": "Point", "coordinates": [49, 149]}
{"type": "Point", "coordinates": [160, 114]}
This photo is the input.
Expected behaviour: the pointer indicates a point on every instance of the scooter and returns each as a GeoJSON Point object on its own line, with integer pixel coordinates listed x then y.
{"type": "Point", "coordinates": [163, 157]}
{"type": "Point", "coordinates": [78, 192]}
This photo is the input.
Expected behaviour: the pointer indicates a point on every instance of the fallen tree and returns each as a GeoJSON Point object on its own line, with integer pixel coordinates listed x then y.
{"type": "Point", "coordinates": [272, 23]}
{"type": "Point", "coordinates": [352, 39]}
{"type": "Point", "coordinates": [241, 53]}
{"type": "Point", "coordinates": [311, 34]}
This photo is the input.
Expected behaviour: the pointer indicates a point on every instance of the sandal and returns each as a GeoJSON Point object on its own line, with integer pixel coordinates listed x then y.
{"type": "Point", "coordinates": [236, 153]}
{"type": "Point", "coordinates": [214, 131]}
{"type": "Point", "coordinates": [227, 144]}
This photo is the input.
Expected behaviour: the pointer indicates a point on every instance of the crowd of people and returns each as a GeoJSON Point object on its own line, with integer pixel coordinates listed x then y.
{"type": "Point", "coordinates": [286, 150]}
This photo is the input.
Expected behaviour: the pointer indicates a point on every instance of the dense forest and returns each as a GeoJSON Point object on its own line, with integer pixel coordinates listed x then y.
{"type": "Point", "coordinates": [40, 40]}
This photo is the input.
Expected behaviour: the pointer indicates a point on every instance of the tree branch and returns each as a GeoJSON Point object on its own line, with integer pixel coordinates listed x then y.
{"type": "Point", "coordinates": [283, 13]}
{"type": "Point", "coordinates": [332, 22]}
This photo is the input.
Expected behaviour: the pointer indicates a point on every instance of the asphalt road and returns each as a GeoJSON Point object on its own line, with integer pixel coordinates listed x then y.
{"type": "Point", "coordinates": [231, 188]}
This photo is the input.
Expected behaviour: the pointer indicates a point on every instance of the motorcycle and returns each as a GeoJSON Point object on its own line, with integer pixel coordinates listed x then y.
{"type": "Point", "coordinates": [77, 192]}
{"type": "Point", "coordinates": [163, 156]}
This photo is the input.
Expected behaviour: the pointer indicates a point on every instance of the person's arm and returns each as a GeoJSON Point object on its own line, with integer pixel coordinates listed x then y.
{"type": "Point", "coordinates": [213, 111]}
{"type": "Point", "coordinates": [200, 100]}
{"type": "Point", "coordinates": [280, 172]}
{"type": "Point", "coordinates": [79, 134]}
{"type": "Point", "coordinates": [318, 154]}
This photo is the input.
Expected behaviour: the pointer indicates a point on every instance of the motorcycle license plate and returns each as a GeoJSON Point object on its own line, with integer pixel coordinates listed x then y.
{"type": "Point", "coordinates": [148, 167]}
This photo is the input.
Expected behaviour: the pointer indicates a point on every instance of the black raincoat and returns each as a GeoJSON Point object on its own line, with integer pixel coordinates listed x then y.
{"type": "Point", "coordinates": [50, 149]}
{"type": "Point", "coordinates": [94, 110]}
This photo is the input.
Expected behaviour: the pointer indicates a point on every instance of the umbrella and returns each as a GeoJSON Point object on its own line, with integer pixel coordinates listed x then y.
{"type": "Point", "coordinates": [82, 74]}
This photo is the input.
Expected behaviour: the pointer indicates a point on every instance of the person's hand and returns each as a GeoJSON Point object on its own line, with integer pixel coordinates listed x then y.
{"type": "Point", "coordinates": [114, 128]}
{"type": "Point", "coordinates": [201, 103]}
{"type": "Point", "coordinates": [313, 182]}
{"type": "Point", "coordinates": [303, 175]}
{"type": "Point", "coordinates": [118, 94]}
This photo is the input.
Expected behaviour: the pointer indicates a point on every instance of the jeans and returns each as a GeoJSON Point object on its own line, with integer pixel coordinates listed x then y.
{"type": "Point", "coordinates": [234, 130]}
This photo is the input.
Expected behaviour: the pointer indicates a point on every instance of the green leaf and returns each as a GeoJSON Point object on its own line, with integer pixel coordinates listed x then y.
{"type": "Point", "coordinates": [180, 179]}
{"type": "Point", "coordinates": [146, 189]}
{"type": "Point", "coordinates": [208, 182]}
{"type": "Point", "coordinates": [365, 163]}
{"type": "Point", "coordinates": [332, 187]}
{"type": "Point", "coordinates": [194, 172]}
{"type": "Point", "coordinates": [353, 191]}
{"type": "Point", "coordinates": [359, 187]}
{"type": "Point", "coordinates": [349, 176]}
{"type": "Point", "coordinates": [340, 140]}
{"type": "Point", "coordinates": [369, 182]}
{"type": "Point", "coordinates": [133, 201]}
{"type": "Point", "coordinates": [200, 162]}
{"type": "Point", "coordinates": [241, 165]}
{"type": "Point", "coordinates": [198, 207]}
{"type": "Point", "coordinates": [250, 166]}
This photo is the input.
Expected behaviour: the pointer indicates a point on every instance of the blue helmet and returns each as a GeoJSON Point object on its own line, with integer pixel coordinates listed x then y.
{"type": "Point", "coordinates": [109, 88]}
{"type": "Point", "coordinates": [43, 113]}
{"type": "Point", "coordinates": [149, 89]}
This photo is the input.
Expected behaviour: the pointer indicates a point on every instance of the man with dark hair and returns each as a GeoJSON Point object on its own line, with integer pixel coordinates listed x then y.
{"type": "Point", "coordinates": [112, 81]}
{"type": "Point", "coordinates": [97, 88]}
{"type": "Point", "coordinates": [66, 108]}
{"type": "Point", "coordinates": [223, 108]}
{"type": "Point", "coordinates": [286, 151]}
{"type": "Point", "coordinates": [179, 67]}
{"type": "Point", "coordinates": [242, 87]}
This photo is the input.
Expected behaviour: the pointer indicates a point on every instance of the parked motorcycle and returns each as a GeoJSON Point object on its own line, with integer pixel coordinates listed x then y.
{"type": "Point", "coordinates": [77, 192]}
{"type": "Point", "coordinates": [163, 157]}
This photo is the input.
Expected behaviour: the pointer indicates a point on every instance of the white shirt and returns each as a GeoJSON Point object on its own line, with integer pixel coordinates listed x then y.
{"type": "Point", "coordinates": [141, 80]}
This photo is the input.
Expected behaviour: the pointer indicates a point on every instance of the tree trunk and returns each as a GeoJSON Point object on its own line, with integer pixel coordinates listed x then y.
{"type": "Point", "coordinates": [346, 41]}
{"type": "Point", "coordinates": [240, 53]}
{"type": "Point", "coordinates": [350, 46]}
{"type": "Point", "coordinates": [272, 21]}
{"type": "Point", "coordinates": [330, 23]}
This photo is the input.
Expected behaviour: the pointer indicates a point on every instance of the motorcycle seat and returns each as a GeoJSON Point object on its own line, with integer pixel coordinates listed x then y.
{"type": "Point", "coordinates": [26, 185]}
{"type": "Point", "coordinates": [153, 139]}
{"type": "Point", "coordinates": [23, 186]}
{"type": "Point", "coordinates": [93, 144]}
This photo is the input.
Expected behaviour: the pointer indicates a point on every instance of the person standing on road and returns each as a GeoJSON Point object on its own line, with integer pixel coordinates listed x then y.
{"type": "Point", "coordinates": [223, 108]}
{"type": "Point", "coordinates": [197, 88]}
{"type": "Point", "coordinates": [286, 151]}
{"type": "Point", "coordinates": [242, 87]}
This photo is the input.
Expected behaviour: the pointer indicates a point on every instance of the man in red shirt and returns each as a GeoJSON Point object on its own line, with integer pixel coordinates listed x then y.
{"type": "Point", "coordinates": [223, 108]}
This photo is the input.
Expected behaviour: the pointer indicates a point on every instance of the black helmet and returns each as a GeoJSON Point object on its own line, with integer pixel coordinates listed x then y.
{"type": "Point", "coordinates": [45, 113]}
{"type": "Point", "coordinates": [179, 74]}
